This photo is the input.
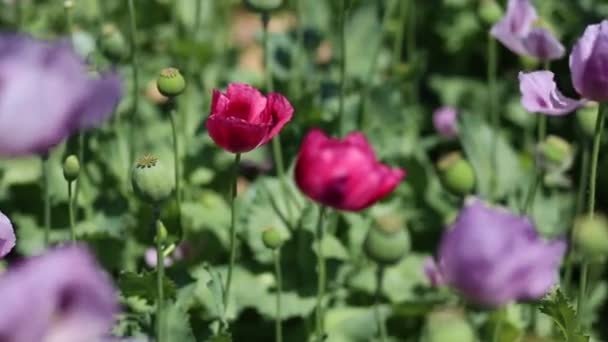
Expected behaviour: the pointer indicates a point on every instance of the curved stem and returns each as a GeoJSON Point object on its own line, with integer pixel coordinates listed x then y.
{"type": "Point", "coordinates": [278, 319]}
{"type": "Point", "coordinates": [233, 209]}
{"type": "Point", "coordinates": [597, 139]}
{"type": "Point", "coordinates": [160, 274]}
{"type": "Point", "coordinates": [46, 174]}
{"type": "Point", "coordinates": [176, 164]}
{"type": "Point", "coordinates": [71, 212]}
{"type": "Point", "coordinates": [379, 319]}
{"type": "Point", "coordinates": [135, 80]}
{"type": "Point", "coordinates": [342, 29]}
{"type": "Point", "coordinates": [320, 319]}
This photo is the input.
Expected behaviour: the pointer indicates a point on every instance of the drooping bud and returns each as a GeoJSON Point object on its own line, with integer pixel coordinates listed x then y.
{"type": "Point", "coordinates": [489, 11]}
{"type": "Point", "coordinates": [387, 241]}
{"type": "Point", "coordinates": [591, 236]}
{"type": "Point", "coordinates": [113, 42]}
{"type": "Point", "coordinates": [151, 181]}
{"type": "Point", "coordinates": [555, 154]}
{"type": "Point", "coordinates": [456, 174]}
{"type": "Point", "coordinates": [272, 238]}
{"type": "Point", "coordinates": [448, 326]}
{"type": "Point", "coordinates": [170, 82]}
{"type": "Point", "coordinates": [587, 118]}
{"type": "Point", "coordinates": [71, 168]}
{"type": "Point", "coordinates": [263, 5]}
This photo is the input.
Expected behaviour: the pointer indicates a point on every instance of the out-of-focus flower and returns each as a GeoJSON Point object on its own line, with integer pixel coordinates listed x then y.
{"type": "Point", "coordinates": [432, 272]}
{"type": "Point", "coordinates": [243, 119]}
{"type": "Point", "coordinates": [540, 94]}
{"type": "Point", "coordinates": [589, 63]}
{"type": "Point", "coordinates": [62, 296]}
{"type": "Point", "coordinates": [445, 121]}
{"type": "Point", "coordinates": [252, 59]}
{"type": "Point", "coordinates": [246, 24]}
{"type": "Point", "coordinates": [7, 236]}
{"type": "Point", "coordinates": [325, 52]}
{"type": "Point", "coordinates": [343, 174]}
{"type": "Point", "coordinates": [178, 254]}
{"type": "Point", "coordinates": [492, 256]}
{"type": "Point", "coordinates": [515, 31]}
{"type": "Point", "coordinates": [47, 94]}
{"type": "Point", "coordinates": [153, 94]}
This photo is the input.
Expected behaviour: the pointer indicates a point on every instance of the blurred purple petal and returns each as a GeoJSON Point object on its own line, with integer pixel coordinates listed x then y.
{"type": "Point", "coordinates": [433, 273]}
{"type": "Point", "coordinates": [540, 43]}
{"type": "Point", "coordinates": [589, 63]}
{"type": "Point", "coordinates": [515, 25]}
{"type": "Point", "coordinates": [540, 94]}
{"type": "Point", "coordinates": [445, 120]}
{"type": "Point", "coordinates": [7, 236]}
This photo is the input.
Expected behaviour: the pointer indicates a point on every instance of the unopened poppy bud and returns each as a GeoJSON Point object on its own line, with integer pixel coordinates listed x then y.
{"type": "Point", "coordinates": [587, 118]}
{"type": "Point", "coordinates": [272, 238]}
{"type": "Point", "coordinates": [555, 154]}
{"type": "Point", "coordinates": [591, 235]}
{"type": "Point", "coordinates": [387, 242]}
{"type": "Point", "coordinates": [448, 326]}
{"type": "Point", "coordinates": [263, 5]}
{"type": "Point", "coordinates": [456, 174]}
{"type": "Point", "coordinates": [71, 168]}
{"type": "Point", "coordinates": [170, 82]}
{"type": "Point", "coordinates": [151, 181]}
{"type": "Point", "coordinates": [161, 231]}
{"type": "Point", "coordinates": [113, 42]}
{"type": "Point", "coordinates": [489, 11]}
{"type": "Point", "coordinates": [68, 4]}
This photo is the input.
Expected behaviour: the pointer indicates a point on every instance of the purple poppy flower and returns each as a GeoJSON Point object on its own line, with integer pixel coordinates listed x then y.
{"type": "Point", "coordinates": [539, 94]}
{"type": "Point", "coordinates": [7, 236]}
{"type": "Point", "coordinates": [178, 254]}
{"type": "Point", "coordinates": [492, 256]}
{"type": "Point", "coordinates": [515, 25]}
{"type": "Point", "coordinates": [60, 296]}
{"type": "Point", "coordinates": [589, 63]}
{"type": "Point", "coordinates": [47, 94]}
{"type": "Point", "coordinates": [540, 43]}
{"type": "Point", "coordinates": [445, 121]}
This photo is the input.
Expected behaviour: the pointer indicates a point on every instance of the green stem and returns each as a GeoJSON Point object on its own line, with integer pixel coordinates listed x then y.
{"type": "Point", "coordinates": [296, 71]}
{"type": "Point", "coordinates": [342, 37]}
{"type": "Point", "coordinates": [379, 319]}
{"type": "Point", "coordinates": [398, 44]}
{"type": "Point", "coordinates": [493, 107]}
{"type": "Point", "coordinates": [71, 212]}
{"type": "Point", "coordinates": [160, 274]}
{"type": "Point", "coordinates": [233, 209]}
{"type": "Point", "coordinates": [18, 7]}
{"type": "Point", "coordinates": [538, 172]}
{"type": "Point", "coordinates": [321, 277]}
{"type": "Point", "coordinates": [197, 19]}
{"type": "Point", "coordinates": [411, 49]}
{"type": "Point", "coordinates": [46, 174]}
{"type": "Point", "coordinates": [176, 164]}
{"type": "Point", "coordinates": [82, 162]}
{"type": "Point", "coordinates": [497, 326]}
{"type": "Point", "coordinates": [135, 79]}
{"type": "Point", "coordinates": [597, 139]}
{"type": "Point", "coordinates": [278, 319]}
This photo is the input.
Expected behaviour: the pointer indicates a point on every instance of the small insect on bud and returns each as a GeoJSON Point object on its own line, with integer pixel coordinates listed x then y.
{"type": "Point", "coordinates": [263, 5]}
{"type": "Point", "coordinates": [272, 238]}
{"type": "Point", "coordinates": [591, 236]}
{"type": "Point", "coordinates": [152, 183]}
{"type": "Point", "coordinates": [456, 174]}
{"type": "Point", "coordinates": [387, 241]}
{"type": "Point", "coordinates": [170, 82]}
{"type": "Point", "coordinates": [71, 168]}
{"type": "Point", "coordinates": [555, 154]}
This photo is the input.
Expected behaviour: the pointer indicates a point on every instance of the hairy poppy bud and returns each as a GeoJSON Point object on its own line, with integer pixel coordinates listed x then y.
{"type": "Point", "coordinates": [387, 241]}
{"type": "Point", "coordinates": [263, 5]}
{"type": "Point", "coordinates": [170, 82]}
{"type": "Point", "coordinates": [591, 235]}
{"type": "Point", "coordinates": [555, 154]}
{"type": "Point", "coordinates": [272, 238]}
{"type": "Point", "coordinates": [489, 11]}
{"type": "Point", "coordinates": [448, 326]}
{"type": "Point", "coordinates": [152, 183]}
{"type": "Point", "coordinates": [456, 173]}
{"type": "Point", "coordinates": [71, 168]}
{"type": "Point", "coordinates": [113, 42]}
{"type": "Point", "coordinates": [587, 118]}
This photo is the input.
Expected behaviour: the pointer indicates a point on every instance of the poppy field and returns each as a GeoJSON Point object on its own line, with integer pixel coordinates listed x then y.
{"type": "Point", "coordinates": [303, 170]}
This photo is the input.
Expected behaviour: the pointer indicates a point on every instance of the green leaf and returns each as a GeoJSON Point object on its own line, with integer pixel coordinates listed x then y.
{"type": "Point", "coordinates": [557, 306]}
{"type": "Point", "coordinates": [216, 287]}
{"type": "Point", "coordinates": [144, 285]}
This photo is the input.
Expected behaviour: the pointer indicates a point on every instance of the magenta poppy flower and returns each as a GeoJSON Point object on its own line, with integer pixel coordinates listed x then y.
{"type": "Point", "coordinates": [243, 119]}
{"type": "Point", "coordinates": [516, 32]}
{"type": "Point", "coordinates": [47, 94]}
{"type": "Point", "coordinates": [7, 236]}
{"type": "Point", "coordinates": [493, 257]}
{"type": "Point", "coordinates": [540, 94]}
{"type": "Point", "coordinates": [343, 174]}
{"type": "Point", "coordinates": [60, 296]}
{"type": "Point", "coordinates": [589, 63]}
{"type": "Point", "coordinates": [445, 120]}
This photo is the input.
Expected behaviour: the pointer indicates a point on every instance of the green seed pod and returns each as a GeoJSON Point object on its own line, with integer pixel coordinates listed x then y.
{"type": "Point", "coordinates": [555, 154]}
{"type": "Point", "coordinates": [113, 42]}
{"type": "Point", "coordinates": [387, 241]}
{"type": "Point", "coordinates": [152, 183]}
{"type": "Point", "coordinates": [71, 168]}
{"type": "Point", "coordinates": [456, 174]}
{"type": "Point", "coordinates": [272, 238]}
{"type": "Point", "coordinates": [587, 118]}
{"type": "Point", "coordinates": [263, 5]}
{"type": "Point", "coordinates": [489, 11]}
{"type": "Point", "coordinates": [448, 326]}
{"type": "Point", "coordinates": [170, 82]}
{"type": "Point", "coordinates": [591, 236]}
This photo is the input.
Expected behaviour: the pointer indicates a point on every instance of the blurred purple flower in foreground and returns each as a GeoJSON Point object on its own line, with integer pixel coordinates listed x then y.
{"type": "Point", "coordinates": [515, 31]}
{"type": "Point", "coordinates": [493, 257]}
{"type": "Point", "coordinates": [7, 236]}
{"type": "Point", "coordinates": [445, 121]}
{"type": "Point", "coordinates": [47, 94]}
{"type": "Point", "coordinates": [589, 63]}
{"type": "Point", "coordinates": [540, 94]}
{"type": "Point", "coordinates": [61, 296]}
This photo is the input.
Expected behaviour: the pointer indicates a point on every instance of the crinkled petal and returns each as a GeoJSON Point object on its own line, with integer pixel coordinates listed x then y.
{"type": "Point", "coordinates": [540, 43]}
{"type": "Point", "coordinates": [280, 112]}
{"type": "Point", "coordinates": [540, 94]}
{"type": "Point", "coordinates": [234, 134]}
{"type": "Point", "coordinates": [515, 25]}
